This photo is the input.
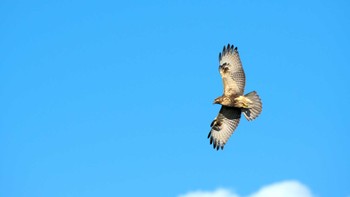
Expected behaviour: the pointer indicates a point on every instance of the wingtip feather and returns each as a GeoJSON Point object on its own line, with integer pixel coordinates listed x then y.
{"type": "Point", "coordinates": [228, 49]}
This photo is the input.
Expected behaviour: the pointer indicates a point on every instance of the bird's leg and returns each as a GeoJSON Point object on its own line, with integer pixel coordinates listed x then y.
{"type": "Point", "coordinates": [242, 102]}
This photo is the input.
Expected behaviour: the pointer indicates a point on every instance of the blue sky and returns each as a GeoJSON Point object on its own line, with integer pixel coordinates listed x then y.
{"type": "Point", "coordinates": [114, 98]}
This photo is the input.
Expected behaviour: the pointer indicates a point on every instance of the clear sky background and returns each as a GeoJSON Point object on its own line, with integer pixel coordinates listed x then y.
{"type": "Point", "coordinates": [114, 98]}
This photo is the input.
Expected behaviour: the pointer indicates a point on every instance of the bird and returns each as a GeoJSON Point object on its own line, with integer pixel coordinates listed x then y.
{"type": "Point", "coordinates": [233, 102]}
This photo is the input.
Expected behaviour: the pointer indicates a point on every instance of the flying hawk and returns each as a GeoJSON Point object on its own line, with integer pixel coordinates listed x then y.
{"type": "Point", "coordinates": [233, 101]}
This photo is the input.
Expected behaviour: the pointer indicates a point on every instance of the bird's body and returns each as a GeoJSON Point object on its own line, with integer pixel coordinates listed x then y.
{"type": "Point", "coordinates": [233, 101]}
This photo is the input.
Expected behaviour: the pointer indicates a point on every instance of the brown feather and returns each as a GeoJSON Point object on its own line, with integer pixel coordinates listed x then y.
{"type": "Point", "coordinates": [223, 126]}
{"type": "Point", "coordinates": [231, 71]}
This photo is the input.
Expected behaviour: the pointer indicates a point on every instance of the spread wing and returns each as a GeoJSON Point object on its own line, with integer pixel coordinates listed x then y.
{"type": "Point", "coordinates": [223, 126]}
{"type": "Point", "coordinates": [231, 71]}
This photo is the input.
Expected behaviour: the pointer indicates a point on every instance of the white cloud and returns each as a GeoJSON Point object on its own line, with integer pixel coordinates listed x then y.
{"type": "Point", "coordinates": [280, 189]}
{"type": "Point", "coordinates": [284, 189]}
{"type": "Point", "coordinates": [216, 193]}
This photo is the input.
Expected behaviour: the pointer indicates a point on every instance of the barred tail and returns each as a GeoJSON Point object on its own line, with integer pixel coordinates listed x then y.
{"type": "Point", "coordinates": [255, 109]}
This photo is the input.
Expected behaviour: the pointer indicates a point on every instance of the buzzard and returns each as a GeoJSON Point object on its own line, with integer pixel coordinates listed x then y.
{"type": "Point", "coordinates": [232, 102]}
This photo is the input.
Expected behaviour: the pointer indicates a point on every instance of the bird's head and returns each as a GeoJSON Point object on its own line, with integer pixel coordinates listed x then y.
{"type": "Point", "coordinates": [217, 100]}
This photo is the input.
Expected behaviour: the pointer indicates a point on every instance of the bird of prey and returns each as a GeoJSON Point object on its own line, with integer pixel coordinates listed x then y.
{"type": "Point", "coordinates": [232, 102]}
